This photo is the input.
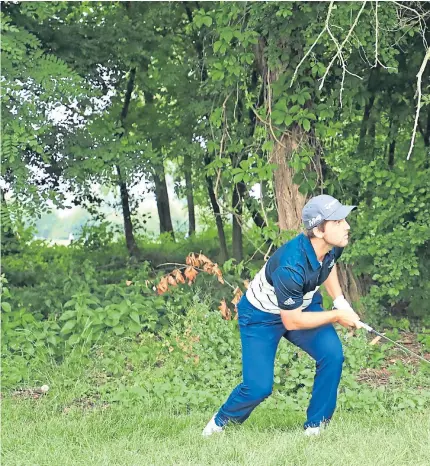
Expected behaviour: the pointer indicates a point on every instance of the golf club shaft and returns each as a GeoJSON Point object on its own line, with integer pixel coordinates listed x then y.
{"type": "Point", "coordinates": [372, 330]}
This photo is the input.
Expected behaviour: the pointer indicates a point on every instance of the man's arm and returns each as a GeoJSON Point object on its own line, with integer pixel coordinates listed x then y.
{"type": "Point", "coordinates": [333, 288]}
{"type": "Point", "coordinates": [298, 320]}
{"type": "Point", "coordinates": [332, 284]}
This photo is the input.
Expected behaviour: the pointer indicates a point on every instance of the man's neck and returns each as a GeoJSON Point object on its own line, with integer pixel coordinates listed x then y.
{"type": "Point", "coordinates": [321, 248]}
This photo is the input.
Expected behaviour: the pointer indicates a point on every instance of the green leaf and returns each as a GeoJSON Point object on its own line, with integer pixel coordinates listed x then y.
{"type": "Point", "coordinates": [207, 20]}
{"type": "Point", "coordinates": [288, 120]}
{"type": "Point", "coordinates": [74, 339]}
{"type": "Point", "coordinates": [217, 75]}
{"type": "Point", "coordinates": [227, 35]}
{"type": "Point", "coordinates": [134, 327]}
{"type": "Point", "coordinates": [68, 327]}
{"type": "Point", "coordinates": [67, 315]}
{"type": "Point", "coordinates": [306, 124]}
{"type": "Point", "coordinates": [304, 188]}
{"type": "Point", "coordinates": [278, 116]}
{"type": "Point", "coordinates": [6, 307]}
{"type": "Point", "coordinates": [135, 317]}
{"type": "Point", "coordinates": [52, 340]}
{"type": "Point", "coordinates": [119, 329]}
{"type": "Point", "coordinates": [217, 46]}
{"type": "Point", "coordinates": [267, 146]}
{"type": "Point", "coordinates": [298, 178]}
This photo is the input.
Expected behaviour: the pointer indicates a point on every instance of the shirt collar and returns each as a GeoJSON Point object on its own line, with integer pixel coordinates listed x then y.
{"type": "Point", "coordinates": [310, 252]}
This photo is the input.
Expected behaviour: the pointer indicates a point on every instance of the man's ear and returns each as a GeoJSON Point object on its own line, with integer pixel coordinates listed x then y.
{"type": "Point", "coordinates": [318, 233]}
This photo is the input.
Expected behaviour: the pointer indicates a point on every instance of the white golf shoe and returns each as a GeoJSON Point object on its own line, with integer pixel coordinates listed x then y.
{"type": "Point", "coordinates": [212, 428]}
{"type": "Point", "coordinates": [310, 431]}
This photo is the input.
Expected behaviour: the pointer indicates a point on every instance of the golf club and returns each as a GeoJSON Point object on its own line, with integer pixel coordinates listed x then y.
{"type": "Point", "coordinates": [372, 330]}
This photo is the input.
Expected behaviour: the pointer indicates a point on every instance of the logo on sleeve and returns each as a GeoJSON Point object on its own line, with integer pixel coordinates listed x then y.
{"type": "Point", "coordinates": [289, 302]}
{"type": "Point", "coordinates": [331, 264]}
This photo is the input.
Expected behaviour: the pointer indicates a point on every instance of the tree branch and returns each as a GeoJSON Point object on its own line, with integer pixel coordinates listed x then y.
{"type": "Point", "coordinates": [315, 43]}
{"type": "Point", "coordinates": [339, 53]}
{"type": "Point", "coordinates": [419, 92]}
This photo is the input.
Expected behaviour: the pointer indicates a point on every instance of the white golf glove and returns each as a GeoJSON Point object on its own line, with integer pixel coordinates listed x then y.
{"type": "Point", "coordinates": [341, 303]}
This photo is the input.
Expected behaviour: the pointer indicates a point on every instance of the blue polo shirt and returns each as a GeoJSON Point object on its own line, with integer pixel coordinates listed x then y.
{"type": "Point", "coordinates": [291, 276]}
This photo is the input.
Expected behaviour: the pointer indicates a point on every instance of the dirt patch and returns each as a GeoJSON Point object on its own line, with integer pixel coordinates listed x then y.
{"type": "Point", "coordinates": [381, 376]}
{"type": "Point", "coordinates": [374, 377]}
{"type": "Point", "coordinates": [86, 404]}
{"type": "Point", "coordinates": [28, 393]}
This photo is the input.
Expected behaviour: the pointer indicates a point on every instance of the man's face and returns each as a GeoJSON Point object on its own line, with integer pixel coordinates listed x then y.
{"type": "Point", "coordinates": [337, 233]}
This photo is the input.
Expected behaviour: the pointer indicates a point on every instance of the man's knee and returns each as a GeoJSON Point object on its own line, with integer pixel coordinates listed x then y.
{"type": "Point", "coordinates": [333, 357]}
{"type": "Point", "coordinates": [258, 392]}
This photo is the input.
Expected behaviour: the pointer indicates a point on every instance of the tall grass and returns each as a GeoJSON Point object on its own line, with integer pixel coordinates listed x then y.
{"type": "Point", "coordinates": [44, 432]}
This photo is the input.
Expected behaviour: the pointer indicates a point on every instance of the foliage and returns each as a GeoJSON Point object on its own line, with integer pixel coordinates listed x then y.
{"type": "Point", "coordinates": [175, 347]}
{"type": "Point", "coordinates": [104, 95]}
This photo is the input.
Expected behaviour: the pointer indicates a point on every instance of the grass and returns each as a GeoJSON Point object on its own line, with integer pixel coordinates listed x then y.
{"type": "Point", "coordinates": [40, 432]}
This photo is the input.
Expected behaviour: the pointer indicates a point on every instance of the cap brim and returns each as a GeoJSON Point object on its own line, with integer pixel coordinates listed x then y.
{"type": "Point", "coordinates": [342, 212]}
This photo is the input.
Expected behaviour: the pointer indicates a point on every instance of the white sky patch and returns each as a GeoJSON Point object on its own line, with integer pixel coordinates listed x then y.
{"type": "Point", "coordinates": [256, 191]}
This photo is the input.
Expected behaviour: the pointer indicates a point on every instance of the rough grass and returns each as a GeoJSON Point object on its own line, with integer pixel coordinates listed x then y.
{"type": "Point", "coordinates": [40, 432]}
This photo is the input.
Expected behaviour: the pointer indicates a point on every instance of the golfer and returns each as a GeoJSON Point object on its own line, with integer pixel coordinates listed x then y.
{"type": "Point", "coordinates": [283, 301]}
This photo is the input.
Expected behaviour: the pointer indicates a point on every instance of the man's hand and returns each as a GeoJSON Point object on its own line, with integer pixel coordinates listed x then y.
{"type": "Point", "coordinates": [348, 318]}
{"type": "Point", "coordinates": [346, 315]}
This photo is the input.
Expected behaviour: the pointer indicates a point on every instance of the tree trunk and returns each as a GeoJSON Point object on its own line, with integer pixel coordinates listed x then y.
{"type": "Point", "coordinates": [125, 202]}
{"type": "Point", "coordinates": [237, 207]}
{"type": "Point", "coordinates": [392, 145]}
{"type": "Point", "coordinates": [162, 198]}
{"type": "Point", "coordinates": [190, 196]}
{"type": "Point", "coordinates": [290, 201]}
{"type": "Point", "coordinates": [9, 240]}
{"type": "Point", "coordinates": [368, 123]}
{"type": "Point", "coordinates": [425, 132]}
{"type": "Point", "coordinates": [365, 123]}
{"type": "Point", "coordinates": [128, 226]}
{"type": "Point", "coordinates": [223, 255]}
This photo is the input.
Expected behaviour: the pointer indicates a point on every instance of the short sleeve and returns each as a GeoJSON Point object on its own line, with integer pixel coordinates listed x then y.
{"type": "Point", "coordinates": [337, 253]}
{"type": "Point", "coordinates": [288, 284]}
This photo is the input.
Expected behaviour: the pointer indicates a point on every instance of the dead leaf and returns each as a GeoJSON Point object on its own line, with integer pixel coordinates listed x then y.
{"type": "Point", "coordinates": [375, 340]}
{"type": "Point", "coordinates": [178, 276]}
{"type": "Point", "coordinates": [209, 268]}
{"type": "Point", "coordinates": [162, 287]}
{"type": "Point", "coordinates": [218, 273]}
{"type": "Point", "coordinates": [171, 280]}
{"type": "Point", "coordinates": [128, 282]}
{"type": "Point", "coordinates": [190, 274]}
{"type": "Point", "coordinates": [246, 284]}
{"type": "Point", "coordinates": [237, 295]}
{"type": "Point", "coordinates": [204, 260]}
{"type": "Point", "coordinates": [192, 260]}
{"type": "Point", "coordinates": [225, 311]}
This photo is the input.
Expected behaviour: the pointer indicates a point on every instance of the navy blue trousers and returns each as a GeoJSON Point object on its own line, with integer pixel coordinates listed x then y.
{"type": "Point", "coordinates": [260, 334]}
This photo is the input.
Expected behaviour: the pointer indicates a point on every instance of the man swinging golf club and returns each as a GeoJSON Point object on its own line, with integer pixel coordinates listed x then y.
{"type": "Point", "coordinates": [283, 301]}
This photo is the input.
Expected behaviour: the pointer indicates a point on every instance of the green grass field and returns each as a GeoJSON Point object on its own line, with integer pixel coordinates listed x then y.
{"type": "Point", "coordinates": [40, 432]}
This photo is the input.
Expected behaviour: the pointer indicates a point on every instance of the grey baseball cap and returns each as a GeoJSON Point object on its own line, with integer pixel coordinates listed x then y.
{"type": "Point", "coordinates": [322, 208]}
